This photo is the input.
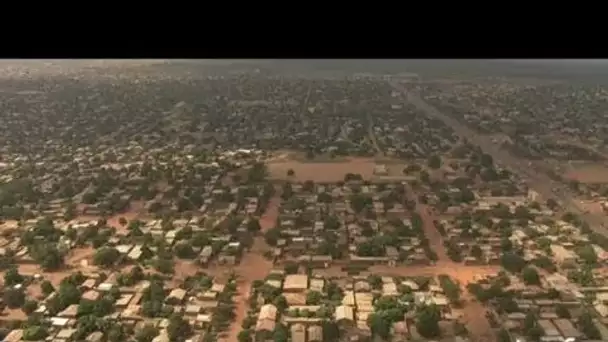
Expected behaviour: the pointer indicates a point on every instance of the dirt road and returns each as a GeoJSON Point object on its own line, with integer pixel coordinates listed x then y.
{"type": "Point", "coordinates": [372, 135]}
{"type": "Point", "coordinates": [473, 311]}
{"type": "Point", "coordinates": [253, 266]}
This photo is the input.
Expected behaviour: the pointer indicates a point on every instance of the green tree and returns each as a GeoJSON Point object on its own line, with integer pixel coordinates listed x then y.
{"type": "Point", "coordinates": [562, 311]}
{"type": "Point", "coordinates": [280, 333]}
{"type": "Point", "coordinates": [291, 268]}
{"type": "Point", "coordinates": [313, 298]}
{"type": "Point", "coordinates": [585, 322]}
{"type": "Point", "coordinates": [178, 328]}
{"type": "Point", "coordinates": [379, 325]}
{"type": "Point", "coordinates": [272, 236]}
{"type": "Point", "coordinates": [486, 160]}
{"type": "Point", "coordinates": [587, 254]}
{"type": "Point", "coordinates": [35, 333]}
{"type": "Point", "coordinates": [359, 202]}
{"type": "Point", "coordinates": [14, 298]}
{"type": "Point", "coordinates": [530, 276]}
{"type": "Point", "coordinates": [254, 226]}
{"type": "Point", "coordinates": [512, 262]}
{"type": "Point", "coordinates": [106, 256]}
{"type": "Point", "coordinates": [47, 288]}
{"type": "Point", "coordinates": [12, 277]}
{"type": "Point", "coordinates": [183, 250]}
{"type": "Point", "coordinates": [29, 307]}
{"type": "Point", "coordinates": [257, 173]}
{"type": "Point", "coordinates": [434, 162]}
{"type": "Point", "coordinates": [164, 265]}
{"type": "Point", "coordinates": [245, 336]}
{"type": "Point", "coordinates": [503, 336]}
{"type": "Point", "coordinates": [476, 252]}
{"type": "Point", "coordinates": [427, 321]}
{"type": "Point", "coordinates": [147, 333]}
{"type": "Point", "coordinates": [200, 239]}
{"type": "Point", "coordinates": [552, 204]}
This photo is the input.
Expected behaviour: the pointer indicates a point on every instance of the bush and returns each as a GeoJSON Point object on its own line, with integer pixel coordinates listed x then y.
{"type": "Point", "coordinates": [106, 256]}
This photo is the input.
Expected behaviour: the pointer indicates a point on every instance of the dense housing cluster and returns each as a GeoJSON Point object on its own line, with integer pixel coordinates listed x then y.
{"type": "Point", "coordinates": [358, 223]}
{"type": "Point", "coordinates": [553, 120]}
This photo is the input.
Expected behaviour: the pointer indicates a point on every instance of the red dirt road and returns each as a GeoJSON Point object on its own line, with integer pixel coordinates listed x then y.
{"type": "Point", "coordinates": [474, 312]}
{"type": "Point", "coordinates": [253, 266]}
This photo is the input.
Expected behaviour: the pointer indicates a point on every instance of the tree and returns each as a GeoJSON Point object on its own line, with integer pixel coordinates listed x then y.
{"type": "Point", "coordinates": [291, 268]}
{"type": "Point", "coordinates": [70, 212]}
{"type": "Point", "coordinates": [200, 239]}
{"type": "Point", "coordinates": [486, 160]}
{"type": "Point", "coordinates": [460, 329]}
{"type": "Point", "coordinates": [257, 173]}
{"type": "Point", "coordinates": [425, 177]}
{"type": "Point", "coordinates": [503, 336]}
{"type": "Point", "coordinates": [147, 333]}
{"type": "Point", "coordinates": [379, 325]}
{"type": "Point", "coordinates": [331, 331]}
{"type": "Point", "coordinates": [183, 250]}
{"type": "Point", "coordinates": [476, 252]}
{"type": "Point", "coordinates": [122, 221]}
{"type": "Point", "coordinates": [313, 298]}
{"type": "Point", "coordinates": [587, 254]}
{"type": "Point", "coordinates": [374, 281]}
{"type": "Point", "coordinates": [29, 307]}
{"type": "Point", "coordinates": [562, 311]}
{"type": "Point", "coordinates": [12, 277]}
{"type": "Point", "coordinates": [254, 226]}
{"type": "Point", "coordinates": [178, 328]}
{"type": "Point", "coordinates": [530, 276]}
{"type": "Point", "coordinates": [106, 256]}
{"type": "Point", "coordinates": [552, 204]}
{"type": "Point", "coordinates": [434, 162]}
{"type": "Point", "coordinates": [35, 333]}
{"type": "Point", "coordinates": [116, 334]}
{"type": "Point", "coordinates": [359, 202]}
{"type": "Point", "coordinates": [164, 265]}
{"type": "Point", "coordinates": [280, 333]}
{"type": "Point", "coordinates": [47, 288]}
{"type": "Point", "coordinates": [272, 236]}
{"type": "Point", "coordinates": [245, 336]}
{"type": "Point", "coordinates": [14, 298]}
{"type": "Point", "coordinates": [451, 289]}
{"type": "Point", "coordinates": [427, 321]}
{"type": "Point", "coordinates": [467, 196]}
{"type": "Point", "coordinates": [280, 302]}
{"type": "Point", "coordinates": [512, 262]}
{"type": "Point", "coordinates": [585, 322]}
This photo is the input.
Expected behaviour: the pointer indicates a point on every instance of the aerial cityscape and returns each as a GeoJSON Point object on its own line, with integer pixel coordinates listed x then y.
{"type": "Point", "coordinates": [303, 201]}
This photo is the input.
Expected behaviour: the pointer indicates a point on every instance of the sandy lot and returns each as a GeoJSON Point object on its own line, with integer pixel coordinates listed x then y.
{"type": "Point", "coordinates": [321, 172]}
{"type": "Point", "coordinates": [269, 218]}
{"type": "Point", "coordinates": [593, 207]}
{"type": "Point", "coordinates": [589, 173]}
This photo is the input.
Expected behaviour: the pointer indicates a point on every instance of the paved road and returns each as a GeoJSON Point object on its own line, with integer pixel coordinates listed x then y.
{"type": "Point", "coordinates": [539, 181]}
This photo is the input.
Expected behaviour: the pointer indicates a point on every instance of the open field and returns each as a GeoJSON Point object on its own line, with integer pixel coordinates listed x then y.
{"type": "Point", "coordinates": [333, 171]}
{"type": "Point", "coordinates": [321, 172]}
{"type": "Point", "coordinates": [588, 173]}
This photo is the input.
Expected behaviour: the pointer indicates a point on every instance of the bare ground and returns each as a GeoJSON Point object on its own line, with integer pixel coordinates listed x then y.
{"type": "Point", "coordinates": [588, 173]}
{"type": "Point", "coordinates": [253, 266]}
{"type": "Point", "coordinates": [269, 218]}
{"type": "Point", "coordinates": [474, 312]}
{"type": "Point", "coordinates": [322, 172]}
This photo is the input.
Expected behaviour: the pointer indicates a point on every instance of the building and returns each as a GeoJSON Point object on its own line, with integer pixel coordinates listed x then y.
{"type": "Point", "coordinates": [295, 283]}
